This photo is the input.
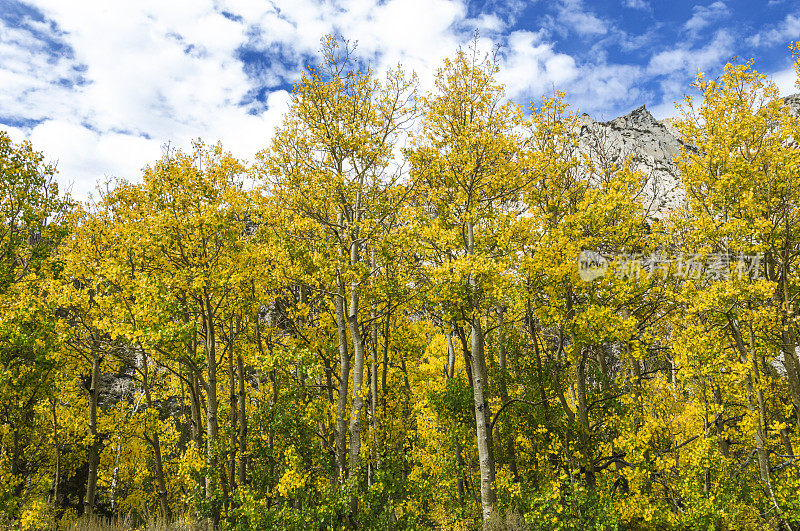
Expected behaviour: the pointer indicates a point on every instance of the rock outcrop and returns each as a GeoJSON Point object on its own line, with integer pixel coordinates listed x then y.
{"type": "Point", "coordinates": [651, 146]}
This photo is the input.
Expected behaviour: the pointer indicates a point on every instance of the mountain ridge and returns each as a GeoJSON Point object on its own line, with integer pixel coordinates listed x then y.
{"type": "Point", "coordinates": [650, 145]}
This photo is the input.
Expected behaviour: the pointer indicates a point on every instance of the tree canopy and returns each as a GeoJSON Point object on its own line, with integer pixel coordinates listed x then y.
{"type": "Point", "coordinates": [386, 320]}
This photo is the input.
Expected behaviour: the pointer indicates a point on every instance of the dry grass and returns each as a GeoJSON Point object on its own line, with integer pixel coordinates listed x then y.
{"type": "Point", "coordinates": [511, 521]}
{"type": "Point", "coordinates": [152, 522]}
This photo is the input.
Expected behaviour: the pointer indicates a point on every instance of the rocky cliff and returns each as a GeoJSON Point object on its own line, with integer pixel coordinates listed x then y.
{"type": "Point", "coordinates": [651, 145]}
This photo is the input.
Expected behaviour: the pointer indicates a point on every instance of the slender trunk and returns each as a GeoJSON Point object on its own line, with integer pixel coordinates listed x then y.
{"type": "Point", "coordinates": [480, 394]}
{"type": "Point", "coordinates": [482, 421]}
{"type": "Point", "coordinates": [94, 448]}
{"type": "Point", "coordinates": [112, 491]}
{"type": "Point", "coordinates": [385, 363]}
{"type": "Point", "coordinates": [636, 376]}
{"type": "Point", "coordinates": [194, 396]}
{"type": "Point", "coordinates": [242, 423]}
{"type": "Point", "coordinates": [233, 403]}
{"type": "Point", "coordinates": [16, 461]}
{"type": "Point", "coordinates": [155, 443]}
{"type": "Point", "coordinates": [57, 447]}
{"type": "Point", "coordinates": [273, 401]}
{"type": "Point", "coordinates": [373, 402]}
{"type": "Point", "coordinates": [466, 352]}
{"type": "Point", "coordinates": [504, 398]}
{"type": "Point", "coordinates": [761, 439]}
{"type": "Point", "coordinates": [538, 355]}
{"type": "Point", "coordinates": [344, 377]}
{"type": "Point", "coordinates": [212, 402]}
{"type": "Point", "coordinates": [603, 363]}
{"type": "Point", "coordinates": [358, 400]}
{"type": "Point", "coordinates": [451, 355]}
{"type": "Point", "coordinates": [719, 427]}
{"type": "Point", "coordinates": [583, 418]}
{"type": "Point", "coordinates": [195, 399]}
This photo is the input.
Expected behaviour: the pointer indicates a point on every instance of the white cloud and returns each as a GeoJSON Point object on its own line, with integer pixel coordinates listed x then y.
{"type": "Point", "coordinates": [688, 60]}
{"type": "Point", "coordinates": [673, 69]}
{"type": "Point", "coordinates": [637, 4]}
{"type": "Point", "coordinates": [531, 67]}
{"type": "Point", "coordinates": [85, 158]}
{"type": "Point", "coordinates": [575, 16]}
{"type": "Point", "coordinates": [787, 30]}
{"type": "Point", "coordinates": [128, 78]}
{"type": "Point", "coordinates": [34, 82]}
{"type": "Point", "coordinates": [145, 73]}
{"type": "Point", "coordinates": [704, 16]}
{"type": "Point", "coordinates": [602, 88]}
{"type": "Point", "coordinates": [786, 81]}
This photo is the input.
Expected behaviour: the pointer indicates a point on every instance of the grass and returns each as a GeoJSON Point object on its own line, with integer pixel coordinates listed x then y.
{"type": "Point", "coordinates": [152, 522]}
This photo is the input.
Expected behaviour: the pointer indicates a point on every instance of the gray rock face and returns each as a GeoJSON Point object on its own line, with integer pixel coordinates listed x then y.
{"type": "Point", "coordinates": [793, 102]}
{"type": "Point", "coordinates": [650, 145]}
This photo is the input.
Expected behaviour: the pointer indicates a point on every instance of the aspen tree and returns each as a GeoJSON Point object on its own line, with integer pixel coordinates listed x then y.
{"type": "Point", "coordinates": [465, 161]}
{"type": "Point", "coordinates": [332, 167]}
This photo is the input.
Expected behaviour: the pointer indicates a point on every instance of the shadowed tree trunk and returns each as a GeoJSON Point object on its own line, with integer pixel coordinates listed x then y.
{"type": "Point", "coordinates": [94, 448]}
{"type": "Point", "coordinates": [155, 442]}
{"type": "Point", "coordinates": [242, 423]}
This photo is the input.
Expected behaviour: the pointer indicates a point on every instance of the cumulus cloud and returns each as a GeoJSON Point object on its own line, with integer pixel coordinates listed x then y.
{"type": "Point", "coordinates": [704, 16]}
{"type": "Point", "coordinates": [100, 89]}
{"type": "Point", "coordinates": [673, 69]}
{"type": "Point", "coordinates": [576, 17]}
{"type": "Point", "coordinates": [531, 67]}
{"type": "Point", "coordinates": [148, 73]}
{"type": "Point", "coordinates": [607, 87]}
{"type": "Point", "coordinates": [788, 29]}
{"type": "Point", "coordinates": [36, 70]}
{"type": "Point", "coordinates": [688, 60]}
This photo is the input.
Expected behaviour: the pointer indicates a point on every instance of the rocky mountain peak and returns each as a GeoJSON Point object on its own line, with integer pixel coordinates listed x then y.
{"type": "Point", "coordinates": [647, 144]}
{"type": "Point", "coordinates": [639, 118]}
{"type": "Point", "coordinates": [650, 146]}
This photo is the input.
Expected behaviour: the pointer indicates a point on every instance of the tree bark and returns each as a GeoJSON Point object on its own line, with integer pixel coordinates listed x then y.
{"type": "Point", "coordinates": [233, 404]}
{"type": "Point", "coordinates": [344, 377]}
{"type": "Point", "coordinates": [358, 400]}
{"type": "Point", "coordinates": [583, 417]}
{"type": "Point", "coordinates": [480, 394]}
{"type": "Point", "coordinates": [242, 423]}
{"type": "Point", "coordinates": [212, 402]}
{"type": "Point", "coordinates": [482, 421]}
{"type": "Point", "coordinates": [57, 447]}
{"type": "Point", "coordinates": [451, 370]}
{"type": "Point", "coordinates": [155, 443]}
{"type": "Point", "coordinates": [94, 448]}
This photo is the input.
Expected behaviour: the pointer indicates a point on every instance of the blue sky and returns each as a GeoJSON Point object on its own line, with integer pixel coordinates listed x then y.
{"type": "Point", "coordinates": [100, 86]}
